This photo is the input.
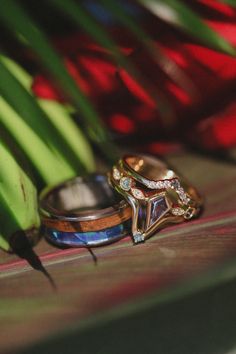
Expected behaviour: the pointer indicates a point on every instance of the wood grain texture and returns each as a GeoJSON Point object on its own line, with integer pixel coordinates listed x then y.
{"type": "Point", "coordinates": [122, 215]}
{"type": "Point", "coordinates": [126, 279]}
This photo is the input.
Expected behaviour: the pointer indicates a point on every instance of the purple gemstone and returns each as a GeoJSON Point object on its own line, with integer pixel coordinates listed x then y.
{"type": "Point", "coordinates": [158, 208]}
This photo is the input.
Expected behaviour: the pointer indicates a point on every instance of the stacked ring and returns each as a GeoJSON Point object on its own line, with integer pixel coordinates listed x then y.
{"type": "Point", "coordinates": [84, 212]}
{"type": "Point", "coordinates": [156, 194]}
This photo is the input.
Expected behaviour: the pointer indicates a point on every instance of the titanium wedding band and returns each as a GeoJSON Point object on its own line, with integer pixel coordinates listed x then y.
{"type": "Point", "coordinates": [83, 212]}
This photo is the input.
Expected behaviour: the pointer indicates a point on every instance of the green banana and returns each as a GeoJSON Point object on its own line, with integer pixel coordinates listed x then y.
{"type": "Point", "coordinates": [18, 199]}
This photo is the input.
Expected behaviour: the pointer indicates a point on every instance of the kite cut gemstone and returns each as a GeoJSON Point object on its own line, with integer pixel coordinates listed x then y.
{"type": "Point", "coordinates": [137, 193]}
{"type": "Point", "coordinates": [126, 183]}
{"type": "Point", "coordinates": [158, 209]}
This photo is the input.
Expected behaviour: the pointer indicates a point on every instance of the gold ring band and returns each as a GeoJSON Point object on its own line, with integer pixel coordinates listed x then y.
{"type": "Point", "coordinates": [156, 194]}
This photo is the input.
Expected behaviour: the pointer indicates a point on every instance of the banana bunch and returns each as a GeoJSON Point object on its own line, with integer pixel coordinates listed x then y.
{"type": "Point", "coordinates": [40, 145]}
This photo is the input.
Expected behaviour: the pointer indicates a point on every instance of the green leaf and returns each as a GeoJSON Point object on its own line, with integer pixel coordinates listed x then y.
{"type": "Point", "coordinates": [18, 72]}
{"type": "Point", "coordinates": [17, 20]}
{"type": "Point", "coordinates": [26, 106]}
{"type": "Point", "coordinates": [45, 162]}
{"type": "Point", "coordinates": [229, 2]}
{"type": "Point", "coordinates": [60, 118]}
{"type": "Point", "coordinates": [180, 15]}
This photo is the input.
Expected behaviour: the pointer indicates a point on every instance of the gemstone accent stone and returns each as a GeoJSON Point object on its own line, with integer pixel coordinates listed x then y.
{"type": "Point", "coordinates": [116, 174]}
{"type": "Point", "coordinates": [158, 209]}
{"type": "Point", "coordinates": [138, 237]}
{"type": "Point", "coordinates": [182, 195]}
{"type": "Point", "coordinates": [162, 184]}
{"type": "Point", "coordinates": [137, 193]}
{"type": "Point", "coordinates": [152, 184]}
{"type": "Point", "coordinates": [178, 211]}
{"type": "Point", "coordinates": [167, 184]}
{"type": "Point", "coordinates": [181, 191]}
{"type": "Point", "coordinates": [125, 183]}
{"type": "Point", "coordinates": [159, 185]}
{"type": "Point", "coordinates": [175, 184]}
{"type": "Point", "coordinates": [185, 199]}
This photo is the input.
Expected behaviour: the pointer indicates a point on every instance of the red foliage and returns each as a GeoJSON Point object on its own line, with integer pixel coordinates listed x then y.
{"type": "Point", "coordinates": [203, 111]}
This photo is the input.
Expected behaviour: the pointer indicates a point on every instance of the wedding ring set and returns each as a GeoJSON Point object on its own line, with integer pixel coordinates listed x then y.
{"type": "Point", "coordinates": [138, 197]}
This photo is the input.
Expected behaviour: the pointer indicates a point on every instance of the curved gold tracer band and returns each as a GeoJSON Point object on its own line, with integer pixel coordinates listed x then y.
{"type": "Point", "coordinates": [157, 195]}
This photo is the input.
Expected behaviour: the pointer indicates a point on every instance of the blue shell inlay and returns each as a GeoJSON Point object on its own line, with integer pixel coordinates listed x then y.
{"type": "Point", "coordinates": [87, 239]}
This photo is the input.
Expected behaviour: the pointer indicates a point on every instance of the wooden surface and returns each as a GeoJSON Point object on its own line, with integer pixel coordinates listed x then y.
{"type": "Point", "coordinates": [108, 306]}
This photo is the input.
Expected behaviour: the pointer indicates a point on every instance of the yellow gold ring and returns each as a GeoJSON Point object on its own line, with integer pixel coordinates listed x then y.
{"type": "Point", "coordinates": [156, 194]}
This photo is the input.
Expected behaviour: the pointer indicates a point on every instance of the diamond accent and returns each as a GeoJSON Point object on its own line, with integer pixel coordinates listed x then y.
{"type": "Point", "coordinates": [163, 184]}
{"type": "Point", "coordinates": [152, 184]}
{"type": "Point", "coordinates": [125, 183]}
{"type": "Point", "coordinates": [181, 191]}
{"type": "Point", "coordinates": [137, 193]}
{"type": "Point", "coordinates": [116, 174]}
{"type": "Point", "coordinates": [138, 237]}
{"type": "Point", "coordinates": [159, 185]}
{"type": "Point", "coordinates": [185, 199]}
{"type": "Point", "coordinates": [178, 211]}
{"type": "Point", "coordinates": [182, 195]}
{"type": "Point", "coordinates": [175, 184]}
{"type": "Point", "coordinates": [166, 184]}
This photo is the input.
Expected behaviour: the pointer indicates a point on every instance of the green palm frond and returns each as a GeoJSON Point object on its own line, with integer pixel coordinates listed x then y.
{"type": "Point", "coordinates": [178, 14]}
{"type": "Point", "coordinates": [229, 2]}
{"type": "Point", "coordinates": [166, 64]}
{"type": "Point", "coordinates": [27, 108]}
{"type": "Point", "coordinates": [21, 23]}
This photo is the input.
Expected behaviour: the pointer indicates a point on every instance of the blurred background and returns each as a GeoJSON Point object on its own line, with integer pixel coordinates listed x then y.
{"type": "Point", "coordinates": [80, 83]}
{"type": "Point", "coordinates": [158, 73]}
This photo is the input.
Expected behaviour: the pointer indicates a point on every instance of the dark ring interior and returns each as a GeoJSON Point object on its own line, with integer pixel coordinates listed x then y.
{"type": "Point", "coordinates": [81, 195]}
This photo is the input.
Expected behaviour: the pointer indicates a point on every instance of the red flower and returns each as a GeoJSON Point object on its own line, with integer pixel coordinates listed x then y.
{"type": "Point", "coordinates": [130, 109]}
